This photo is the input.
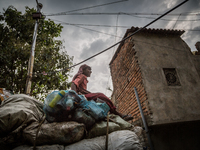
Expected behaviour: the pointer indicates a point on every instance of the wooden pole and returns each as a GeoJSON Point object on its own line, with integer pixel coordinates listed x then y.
{"type": "Point", "coordinates": [31, 59]}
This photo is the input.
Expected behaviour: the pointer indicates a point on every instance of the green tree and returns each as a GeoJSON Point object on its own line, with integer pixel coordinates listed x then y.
{"type": "Point", "coordinates": [16, 34]}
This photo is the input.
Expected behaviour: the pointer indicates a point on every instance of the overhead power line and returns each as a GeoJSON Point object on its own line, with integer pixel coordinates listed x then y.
{"type": "Point", "coordinates": [141, 16]}
{"type": "Point", "coordinates": [37, 2]}
{"type": "Point", "coordinates": [124, 13]}
{"type": "Point", "coordinates": [79, 26]}
{"type": "Point", "coordinates": [66, 12]}
{"type": "Point", "coordinates": [94, 25]}
{"type": "Point", "coordinates": [162, 19]}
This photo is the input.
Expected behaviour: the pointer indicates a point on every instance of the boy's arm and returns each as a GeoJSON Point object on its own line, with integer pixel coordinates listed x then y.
{"type": "Point", "coordinates": [73, 87]}
{"type": "Point", "coordinates": [82, 91]}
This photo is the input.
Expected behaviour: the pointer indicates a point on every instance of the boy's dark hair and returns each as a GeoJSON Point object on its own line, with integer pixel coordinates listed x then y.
{"type": "Point", "coordinates": [87, 67]}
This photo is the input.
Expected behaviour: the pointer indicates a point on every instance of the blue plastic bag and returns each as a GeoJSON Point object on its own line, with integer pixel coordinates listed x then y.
{"type": "Point", "coordinates": [97, 111]}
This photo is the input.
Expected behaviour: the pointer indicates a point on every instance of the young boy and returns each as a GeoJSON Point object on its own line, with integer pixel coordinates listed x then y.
{"type": "Point", "coordinates": [79, 84]}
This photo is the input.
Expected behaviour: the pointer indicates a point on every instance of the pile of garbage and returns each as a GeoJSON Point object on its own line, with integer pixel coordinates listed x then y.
{"type": "Point", "coordinates": [65, 121]}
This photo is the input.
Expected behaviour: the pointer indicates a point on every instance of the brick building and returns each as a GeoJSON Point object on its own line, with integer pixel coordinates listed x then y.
{"type": "Point", "coordinates": [166, 74]}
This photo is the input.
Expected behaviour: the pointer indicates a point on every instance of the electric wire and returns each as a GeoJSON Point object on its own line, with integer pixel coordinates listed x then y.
{"type": "Point", "coordinates": [123, 13]}
{"type": "Point", "coordinates": [89, 29]}
{"type": "Point", "coordinates": [136, 16]}
{"type": "Point", "coordinates": [162, 19]}
{"type": "Point", "coordinates": [37, 2]}
{"type": "Point", "coordinates": [63, 13]}
{"type": "Point", "coordinates": [107, 87]}
{"type": "Point", "coordinates": [94, 25]}
{"type": "Point", "coordinates": [124, 38]}
{"type": "Point", "coordinates": [78, 25]}
{"type": "Point", "coordinates": [176, 21]}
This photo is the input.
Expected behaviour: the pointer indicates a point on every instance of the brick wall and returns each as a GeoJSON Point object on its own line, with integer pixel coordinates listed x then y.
{"type": "Point", "coordinates": [126, 75]}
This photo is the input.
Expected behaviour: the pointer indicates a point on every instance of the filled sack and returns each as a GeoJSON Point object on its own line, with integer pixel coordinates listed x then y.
{"type": "Point", "coordinates": [79, 115]}
{"type": "Point", "coordinates": [118, 140]}
{"type": "Point", "coordinates": [16, 113]}
{"type": "Point", "coordinates": [54, 133]}
{"type": "Point", "coordinates": [100, 128]}
{"type": "Point", "coordinates": [43, 147]}
{"type": "Point", "coordinates": [121, 122]}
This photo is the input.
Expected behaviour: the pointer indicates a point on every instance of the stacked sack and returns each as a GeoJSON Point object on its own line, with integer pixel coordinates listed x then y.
{"type": "Point", "coordinates": [61, 121]}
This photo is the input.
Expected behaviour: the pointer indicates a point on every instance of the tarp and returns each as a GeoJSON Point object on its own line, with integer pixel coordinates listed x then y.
{"type": "Point", "coordinates": [16, 113]}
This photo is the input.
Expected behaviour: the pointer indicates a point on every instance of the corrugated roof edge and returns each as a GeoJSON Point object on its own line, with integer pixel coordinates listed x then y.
{"type": "Point", "coordinates": [148, 30]}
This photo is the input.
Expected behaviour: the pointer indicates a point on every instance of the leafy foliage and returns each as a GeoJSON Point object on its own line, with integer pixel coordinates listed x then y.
{"type": "Point", "coordinates": [16, 34]}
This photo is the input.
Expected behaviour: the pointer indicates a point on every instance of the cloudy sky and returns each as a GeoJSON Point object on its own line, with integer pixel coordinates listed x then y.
{"type": "Point", "coordinates": [89, 31]}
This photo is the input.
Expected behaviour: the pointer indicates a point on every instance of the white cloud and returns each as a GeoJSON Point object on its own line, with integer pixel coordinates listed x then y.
{"type": "Point", "coordinates": [170, 3]}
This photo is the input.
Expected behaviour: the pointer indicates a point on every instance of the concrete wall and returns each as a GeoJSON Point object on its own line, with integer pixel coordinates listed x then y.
{"type": "Point", "coordinates": [168, 103]}
{"type": "Point", "coordinates": [196, 61]}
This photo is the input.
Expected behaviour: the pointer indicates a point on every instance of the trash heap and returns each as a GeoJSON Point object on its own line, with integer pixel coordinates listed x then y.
{"type": "Point", "coordinates": [65, 121]}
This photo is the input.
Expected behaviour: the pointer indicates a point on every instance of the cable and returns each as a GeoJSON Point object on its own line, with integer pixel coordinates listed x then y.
{"type": "Point", "coordinates": [176, 21]}
{"type": "Point", "coordinates": [91, 25]}
{"type": "Point", "coordinates": [136, 15]}
{"type": "Point", "coordinates": [125, 37]}
{"type": "Point", "coordinates": [113, 53]}
{"type": "Point", "coordinates": [88, 29]}
{"type": "Point", "coordinates": [63, 13]}
{"type": "Point", "coordinates": [37, 2]}
{"type": "Point", "coordinates": [123, 13]}
{"type": "Point", "coordinates": [78, 25]}
{"type": "Point", "coordinates": [161, 19]}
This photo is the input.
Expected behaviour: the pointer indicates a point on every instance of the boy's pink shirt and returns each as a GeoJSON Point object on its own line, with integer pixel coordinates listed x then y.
{"type": "Point", "coordinates": [81, 82]}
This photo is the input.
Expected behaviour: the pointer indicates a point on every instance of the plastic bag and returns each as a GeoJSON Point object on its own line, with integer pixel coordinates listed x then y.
{"type": "Point", "coordinates": [105, 108]}
{"type": "Point", "coordinates": [70, 93]}
{"type": "Point", "coordinates": [100, 128]}
{"type": "Point", "coordinates": [121, 122]}
{"type": "Point", "coordinates": [16, 113]}
{"type": "Point", "coordinates": [44, 147]}
{"type": "Point", "coordinates": [80, 116]}
{"type": "Point", "coordinates": [19, 110]}
{"type": "Point", "coordinates": [58, 105]}
{"type": "Point", "coordinates": [118, 140]}
{"type": "Point", "coordinates": [93, 109]}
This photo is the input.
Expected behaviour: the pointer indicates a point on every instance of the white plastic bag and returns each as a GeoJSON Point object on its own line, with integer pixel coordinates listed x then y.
{"type": "Point", "coordinates": [118, 140]}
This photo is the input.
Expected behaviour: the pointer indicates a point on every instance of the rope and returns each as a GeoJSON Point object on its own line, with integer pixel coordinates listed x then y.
{"type": "Point", "coordinates": [34, 147]}
{"type": "Point", "coordinates": [107, 131]}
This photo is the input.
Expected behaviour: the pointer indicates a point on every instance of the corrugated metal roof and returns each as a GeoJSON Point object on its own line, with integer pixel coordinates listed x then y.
{"type": "Point", "coordinates": [147, 30]}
